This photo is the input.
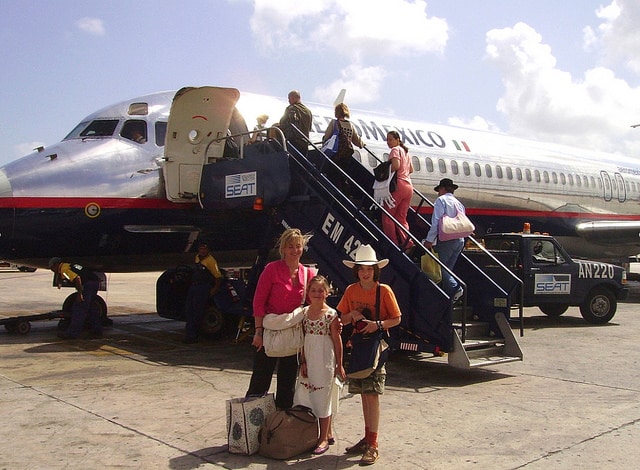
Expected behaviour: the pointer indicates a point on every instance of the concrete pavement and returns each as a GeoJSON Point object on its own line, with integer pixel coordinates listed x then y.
{"type": "Point", "coordinates": [139, 398]}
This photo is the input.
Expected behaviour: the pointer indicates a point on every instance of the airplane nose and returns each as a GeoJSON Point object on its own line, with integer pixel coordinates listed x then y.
{"type": "Point", "coordinates": [6, 212]}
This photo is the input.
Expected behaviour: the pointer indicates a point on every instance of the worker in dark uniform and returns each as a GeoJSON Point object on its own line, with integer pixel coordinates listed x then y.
{"type": "Point", "coordinates": [205, 282]}
{"type": "Point", "coordinates": [87, 284]}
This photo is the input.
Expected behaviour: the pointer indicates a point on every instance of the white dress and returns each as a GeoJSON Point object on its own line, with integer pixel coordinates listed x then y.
{"type": "Point", "coordinates": [314, 391]}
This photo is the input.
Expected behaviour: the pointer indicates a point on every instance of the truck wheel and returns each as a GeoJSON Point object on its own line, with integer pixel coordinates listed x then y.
{"type": "Point", "coordinates": [599, 307]}
{"type": "Point", "coordinates": [213, 323]}
{"type": "Point", "coordinates": [553, 310]}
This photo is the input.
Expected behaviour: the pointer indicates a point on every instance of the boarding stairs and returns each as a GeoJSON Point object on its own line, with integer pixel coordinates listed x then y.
{"type": "Point", "coordinates": [341, 220]}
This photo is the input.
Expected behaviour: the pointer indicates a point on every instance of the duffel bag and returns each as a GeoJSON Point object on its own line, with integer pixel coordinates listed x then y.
{"type": "Point", "coordinates": [287, 433]}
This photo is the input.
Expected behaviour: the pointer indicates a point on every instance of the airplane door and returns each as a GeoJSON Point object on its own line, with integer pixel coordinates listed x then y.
{"type": "Point", "coordinates": [606, 185]}
{"type": "Point", "coordinates": [199, 118]}
{"type": "Point", "coordinates": [622, 191]}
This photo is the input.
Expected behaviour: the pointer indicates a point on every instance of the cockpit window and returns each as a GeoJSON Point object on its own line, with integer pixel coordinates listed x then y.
{"type": "Point", "coordinates": [135, 130]}
{"type": "Point", "coordinates": [100, 128]}
{"type": "Point", "coordinates": [161, 133]}
{"type": "Point", "coordinates": [97, 128]}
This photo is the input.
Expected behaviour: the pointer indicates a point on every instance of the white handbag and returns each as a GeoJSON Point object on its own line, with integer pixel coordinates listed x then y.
{"type": "Point", "coordinates": [455, 227]}
{"type": "Point", "coordinates": [282, 335]}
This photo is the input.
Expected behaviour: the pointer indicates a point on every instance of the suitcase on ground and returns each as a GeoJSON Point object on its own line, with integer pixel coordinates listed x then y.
{"type": "Point", "coordinates": [287, 433]}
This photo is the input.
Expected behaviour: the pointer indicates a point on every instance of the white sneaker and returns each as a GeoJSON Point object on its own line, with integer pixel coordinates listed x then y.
{"type": "Point", "coordinates": [458, 294]}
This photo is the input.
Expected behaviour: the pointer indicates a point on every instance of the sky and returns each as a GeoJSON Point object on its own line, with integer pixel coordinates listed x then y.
{"type": "Point", "coordinates": [559, 71]}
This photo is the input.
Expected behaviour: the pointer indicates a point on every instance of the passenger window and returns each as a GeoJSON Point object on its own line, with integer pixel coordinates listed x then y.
{"type": "Point", "coordinates": [466, 169]}
{"type": "Point", "coordinates": [487, 169]}
{"type": "Point", "coordinates": [518, 174]}
{"type": "Point", "coordinates": [429, 164]}
{"type": "Point", "coordinates": [563, 179]}
{"type": "Point", "coordinates": [570, 177]}
{"type": "Point", "coordinates": [415, 161]}
{"type": "Point", "coordinates": [499, 171]}
{"type": "Point", "coordinates": [161, 133]}
{"type": "Point", "coordinates": [554, 177]}
{"type": "Point", "coordinates": [442, 166]}
{"type": "Point", "coordinates": [373, 162]}
{"type": "Point", "coordinates": [545, 174]}
{"type": "Point", "coordinates": [135, 130]}
{"type": "Point", "coordinates": [509, 173]}
{"type": "Point", "coordinates": [578, 180]}
{"type": "Point", "coordinates": [537, 175]}
{"type": "Point", "coordinates": [527, 172]}
{"type": "Point", "coordinates": [477, 169]}
{"type": "Point", "coordinates": [454, 167]}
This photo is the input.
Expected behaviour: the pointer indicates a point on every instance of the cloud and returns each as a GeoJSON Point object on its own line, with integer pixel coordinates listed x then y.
{"type": "Point", "coordinates": [362, 84]}
{"type": "Point", "coordinates": [541, 101]}
{"type": "Point", "coordinates": [476, 122]}
{"type": "Point", "coordinates": [357, 27]}
{"type": "Point", "coordinates": [363, 32]}
{"type": "Point", "coordinates": [618, 34]}
{"type": "Point", "coordinates": [92, 26]}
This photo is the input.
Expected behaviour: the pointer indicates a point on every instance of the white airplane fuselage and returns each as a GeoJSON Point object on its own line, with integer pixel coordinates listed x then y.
{"type": "Point", "coordinates": [99, 195]}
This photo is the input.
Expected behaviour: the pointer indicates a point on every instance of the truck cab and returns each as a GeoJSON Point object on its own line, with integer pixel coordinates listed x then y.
{"type": "Point", "coordinates": [553, 281]}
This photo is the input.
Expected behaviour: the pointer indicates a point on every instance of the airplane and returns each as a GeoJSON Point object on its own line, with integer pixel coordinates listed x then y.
{"type": "Point", "coordinates": [120, 193]}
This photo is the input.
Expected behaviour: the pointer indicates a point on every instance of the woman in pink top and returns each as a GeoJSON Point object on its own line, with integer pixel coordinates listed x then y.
{"type": "Point", "coordinates": [401, 164]}
{"type": "Point", "coordinates": [279, 290]}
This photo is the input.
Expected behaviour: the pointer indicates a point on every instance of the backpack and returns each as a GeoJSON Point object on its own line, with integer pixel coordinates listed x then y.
{"type": "Point", "coordinates": [345, 148]}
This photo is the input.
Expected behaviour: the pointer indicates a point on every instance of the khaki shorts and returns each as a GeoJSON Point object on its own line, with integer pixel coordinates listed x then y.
{"type": "Point", "coordinates": [372, 384]}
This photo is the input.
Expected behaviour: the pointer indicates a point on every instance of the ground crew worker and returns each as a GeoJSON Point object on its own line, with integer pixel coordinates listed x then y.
{"type": "Point", "coordinates": [205, 282]}
{"type": "Point", "coordinates": [87, 284]}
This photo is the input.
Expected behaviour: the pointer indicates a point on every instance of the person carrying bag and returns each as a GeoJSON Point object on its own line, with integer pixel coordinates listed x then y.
{"type": "Point", "coordinates": [369, 352]}
{"type": "Point", "coordinates": [280, 290]}
{"type": "Point", "coordinates": [368, 294]}
{"type": "Point", "coordinates": [449, 226]}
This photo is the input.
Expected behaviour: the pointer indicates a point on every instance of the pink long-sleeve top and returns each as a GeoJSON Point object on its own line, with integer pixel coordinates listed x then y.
{"type": "Point", "coordinates": [275, 292]}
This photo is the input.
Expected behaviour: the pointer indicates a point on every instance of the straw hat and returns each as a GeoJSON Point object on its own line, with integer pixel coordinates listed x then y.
{"type": "Point", "coordinates": [366, 256]}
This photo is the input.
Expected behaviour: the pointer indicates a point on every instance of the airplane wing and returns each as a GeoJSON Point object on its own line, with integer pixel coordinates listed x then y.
{"type": "Point", "coordinates": [608, 232]}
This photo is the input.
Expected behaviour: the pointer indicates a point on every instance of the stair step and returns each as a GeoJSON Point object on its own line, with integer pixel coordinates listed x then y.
{"type": "Point", "coordinates": [480, 351]}
{"type": "Point", "coordinates": [474, 329]}
{"type": "Point", "coordinates": [477, 343]}
{"type": "Point", "coordinates": [483, 362]}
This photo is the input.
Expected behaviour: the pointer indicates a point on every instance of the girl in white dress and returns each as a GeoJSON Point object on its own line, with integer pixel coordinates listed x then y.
{"type": "Point", "coordinates": [321, 359]}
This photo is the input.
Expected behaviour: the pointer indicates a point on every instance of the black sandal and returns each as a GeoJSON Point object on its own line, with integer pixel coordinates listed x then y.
{"type": "Point", "coordinates": [359, 448]}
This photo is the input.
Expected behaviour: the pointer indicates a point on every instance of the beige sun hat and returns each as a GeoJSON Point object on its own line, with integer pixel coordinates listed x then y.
{"type": "Point", "coordinates": [366, 256]}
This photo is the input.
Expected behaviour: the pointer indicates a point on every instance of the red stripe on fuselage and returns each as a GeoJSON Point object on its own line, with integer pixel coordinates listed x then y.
{"type": "Point", "coordinates": [81, 202]}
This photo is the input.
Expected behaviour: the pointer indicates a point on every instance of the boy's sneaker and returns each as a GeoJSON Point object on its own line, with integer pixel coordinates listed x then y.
{"type": "Point", "coordinates": [458, 294]}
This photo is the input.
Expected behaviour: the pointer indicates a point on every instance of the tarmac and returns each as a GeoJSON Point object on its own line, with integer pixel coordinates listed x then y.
{"type": "Point", "coordinates": [139, 398]}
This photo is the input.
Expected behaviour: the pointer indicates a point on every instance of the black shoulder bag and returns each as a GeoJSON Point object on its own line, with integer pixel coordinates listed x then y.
{"type": "Point", "coordinates": [368, 352]}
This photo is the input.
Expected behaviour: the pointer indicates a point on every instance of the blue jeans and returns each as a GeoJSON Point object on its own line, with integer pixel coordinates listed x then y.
{"type": "Point", "coordinates": [448, 253]}
{"type": "Point", "coordinates": [84, 312]}
{"type": "Point", "coordinates": [195, 308]}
